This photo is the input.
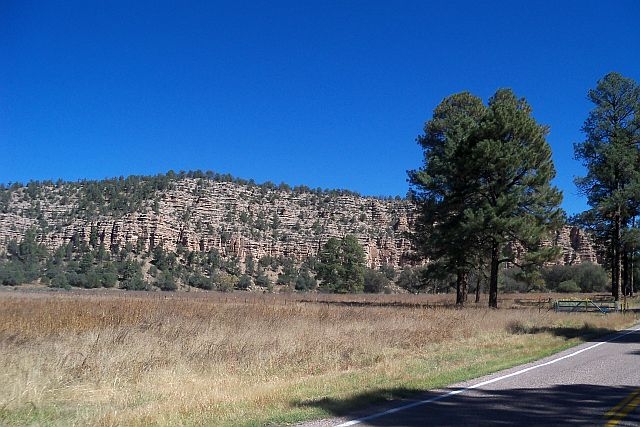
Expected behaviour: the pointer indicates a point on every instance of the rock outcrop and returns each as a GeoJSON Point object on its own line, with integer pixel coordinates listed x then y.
{"type": "Point", "coordinates": [235, 219]}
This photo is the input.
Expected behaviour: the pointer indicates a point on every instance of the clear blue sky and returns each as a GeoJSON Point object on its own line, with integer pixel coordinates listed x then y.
{"type": "Point", "coordinates": [328, 94]}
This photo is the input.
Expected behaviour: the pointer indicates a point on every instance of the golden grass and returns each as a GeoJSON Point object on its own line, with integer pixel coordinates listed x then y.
{"type": "Point", "coordinates": [217, 359]}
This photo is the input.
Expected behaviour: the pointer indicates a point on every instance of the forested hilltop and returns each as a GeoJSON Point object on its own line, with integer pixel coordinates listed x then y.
{"type": "Point", "coordinates": [212, 231]}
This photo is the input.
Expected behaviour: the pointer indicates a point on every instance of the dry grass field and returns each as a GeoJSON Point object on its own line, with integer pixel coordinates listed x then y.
{"type": "Point", "coordinates": [116, 358]}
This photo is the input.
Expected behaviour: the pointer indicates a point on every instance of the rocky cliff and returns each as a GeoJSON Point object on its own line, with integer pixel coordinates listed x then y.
{"type": "Point", "coordinates": [201, 214]}
{"type": "Point", "coordinates": [236, 219]}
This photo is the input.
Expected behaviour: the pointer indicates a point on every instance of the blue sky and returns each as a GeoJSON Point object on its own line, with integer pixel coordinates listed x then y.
{"type": "Point", "coordinates": [328, 94]}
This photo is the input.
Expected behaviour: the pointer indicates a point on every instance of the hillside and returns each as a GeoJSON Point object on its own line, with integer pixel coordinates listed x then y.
{"type": "Point", "coordinates": [234, 217]}
{"type": "Point", "coordinates": [206, 213]}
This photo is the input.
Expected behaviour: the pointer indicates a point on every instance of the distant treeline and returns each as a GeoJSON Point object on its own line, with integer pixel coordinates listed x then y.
{"type": "Point", "coordinates": [146, 185]}
{"type": "Point", "coordinates": [92, 265]}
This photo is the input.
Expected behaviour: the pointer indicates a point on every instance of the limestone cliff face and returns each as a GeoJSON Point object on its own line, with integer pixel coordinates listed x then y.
{"type": "Point", "coordinates": [235, 219]}
{"type": "Point", "coordinates": [577, 246]}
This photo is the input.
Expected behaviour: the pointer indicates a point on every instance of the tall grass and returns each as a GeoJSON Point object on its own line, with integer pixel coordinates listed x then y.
{"type": "Point", "coordinates": [123, 359]}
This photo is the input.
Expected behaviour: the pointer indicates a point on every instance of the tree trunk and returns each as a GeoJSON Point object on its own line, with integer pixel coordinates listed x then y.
{"type": "Point", "coordinates": [493, 279]}
{"type": "Point", "coordinates": [461, 288]}
{"type": "Point", "coordinates": [632, 282]}
{"type": "Point", "coordinates": [478, 290]}
{"type": "Point", "coordinates": [625, 272]}
{"type": "Point", "coordinates": [631, 275]}
{"type": "Point", "coordinates": [616, 271]}
{"type": "Point", "coordinates": [631, 259]}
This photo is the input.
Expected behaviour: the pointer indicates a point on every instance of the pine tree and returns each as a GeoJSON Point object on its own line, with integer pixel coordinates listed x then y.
{"type": "Point", "coordinates": [341, 265]}
{"type": "Point", "coordinates": [611, 155]}
{"type": "Point", "coordinates": [443, 190]}
{"type": "Point", "coordinates": [485, 184]}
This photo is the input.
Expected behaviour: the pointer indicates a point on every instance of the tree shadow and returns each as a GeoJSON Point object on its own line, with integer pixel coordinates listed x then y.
{"type": "Point", "coordinates": [392, 304]}
{"type": "Point", "coordinates": [587, 333]}
{"type": "Point", "coordinates": [381, 398]}
{"type": "Point", "coordinates": [572, 404]}
{"type": "Point", "coordinates": [576, 404]}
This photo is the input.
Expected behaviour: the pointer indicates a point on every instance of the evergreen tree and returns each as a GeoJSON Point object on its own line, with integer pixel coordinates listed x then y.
{"type": "Point", "coordinates": [485, 184]}
{"type": "Point", "coordinates": [166, 281]}
{"type": "Point", "coordinates": [249, 265]}
{"type": "Point", "coordinates": [611, 155]}
{"type": "Point", "coordinates": [341, 265]}
{"type": "Point", "coordinates": [245, 282]}
{"type": "Point", "coordinates": [263, 281]}
{"type": "Point", "coordinates": [304, 281]}
{"type": "Point", "coordinates": [375, 281]}
{"type": "Point", "coordinates": [444, 188]}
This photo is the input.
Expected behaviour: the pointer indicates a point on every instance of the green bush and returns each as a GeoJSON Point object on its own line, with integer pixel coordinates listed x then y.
{"type": "Point", "coordinates": [305, 282]}
{"type": "Point", "coordinates": [568, 286]}
{"type": "Point", "coordinates": [588, 277]}
{"type": "Point", "coordinates": [263, 281]}
{"type": "Point", "coordinates": [60, 281]}
{"type": "Point", "coordinates": [200, 281]}
{"type": "Point", "coordinates": [167, 282]}
{"type": "Point", "coordinates": [411, 279]}
{"type": "Point", "coordinates": [245, 282]}
{"type": "Point", "coordinates": [375, 281]}
{"type": "Point", "coordinates": [516, 279]}
{"type": "Point", "coordinates": [511, 281]}
{"type": "Point", "coordinates": [591, 277]}
{"type": "Point", "coordinates": [135, 283]}
{"type": "Point", "coordinates": [11, 274]}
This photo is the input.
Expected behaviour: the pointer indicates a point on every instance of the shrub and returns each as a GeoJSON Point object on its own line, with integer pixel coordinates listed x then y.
{"type": "Point", "coordinates": [245, 282]}
{"type": "Point", "coordinates": [11, 274]}
{"type": "Point", "coordinates": [200, 281]}
{"type": "Point", "coordinates": [263, 281]}
{"type": "Point", "coordinates": [108, 275]}
{"type": "Point", "coordinates": [587, 276]}
{"type": "Point", "coordinates": [591, 277]}
{"type": "Point", "coordinates": [375, 281]}
{"type": "Point", "coordinates": [225, 282]}
{"type": "Point", "coordinates": [135, 283]}
{"type": "Point", "coordinates": [304, 281]}
{"type": "Point", "coordinates": [109, 279]}
{"type": "Point", "coordinates": [522, 280]}
{"type": "Point", "coordinates": [568, 286]}
{"type": "Point", "coordinates": [410, 279]}
{"type": "Point", "coordinates": [511, 281]}
{"type": "Point", "coordinates": [388, 271]}
{"type": "Point", "coordinates": [60, 281]}
{"type": "Point", "coordinates": [167, 282]}
{"type": "Point", "coordinates": [153, 271]}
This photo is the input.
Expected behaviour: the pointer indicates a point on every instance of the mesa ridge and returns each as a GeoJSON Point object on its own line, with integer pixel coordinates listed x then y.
{"type": "Point", "coordinates": [235, 217]}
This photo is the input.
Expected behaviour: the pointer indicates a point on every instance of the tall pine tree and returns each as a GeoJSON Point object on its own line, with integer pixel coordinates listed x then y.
{"type": "Point", "coordinates": [442, 189]}
{"type": "Point", "coordinates": [611, 154]}
{"type": "Point", "coordinates": [485, 185]}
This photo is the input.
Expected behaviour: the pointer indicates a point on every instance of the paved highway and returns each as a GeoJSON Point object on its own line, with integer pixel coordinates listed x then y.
{"type": "Point", "coordinates": [597, 383]}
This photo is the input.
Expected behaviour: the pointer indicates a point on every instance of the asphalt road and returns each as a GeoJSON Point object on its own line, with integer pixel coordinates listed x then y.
{"type": "Point", "coordinates": [597, 383]}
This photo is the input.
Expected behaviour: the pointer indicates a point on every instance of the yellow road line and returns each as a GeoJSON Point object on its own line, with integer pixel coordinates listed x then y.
{"type": "Point", "coordinates": [622, 409]}
{"type": "Point", "coordinates": [624, 401]}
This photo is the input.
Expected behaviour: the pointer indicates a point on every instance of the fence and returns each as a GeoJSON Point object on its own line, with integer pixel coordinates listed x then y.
{"type": "Point", "coordinates": [584, 305]}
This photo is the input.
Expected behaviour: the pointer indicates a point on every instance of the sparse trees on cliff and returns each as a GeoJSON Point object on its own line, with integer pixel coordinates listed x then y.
{"type": "Point", "coordinates": [24, 260]}
{"type": "Point", "coordinates": [485, 183]}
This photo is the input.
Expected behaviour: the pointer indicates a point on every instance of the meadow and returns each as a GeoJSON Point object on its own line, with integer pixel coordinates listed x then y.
{"type": "Point", "coordinates": [125, 358]}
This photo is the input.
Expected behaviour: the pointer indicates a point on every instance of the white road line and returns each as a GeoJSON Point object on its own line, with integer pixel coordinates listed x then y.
{"type": "Point", "coordinates": [483, 383]}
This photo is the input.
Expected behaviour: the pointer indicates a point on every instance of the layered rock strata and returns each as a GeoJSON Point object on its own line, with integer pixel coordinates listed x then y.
{"type": "Point", "coordinates": [236, 220]}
